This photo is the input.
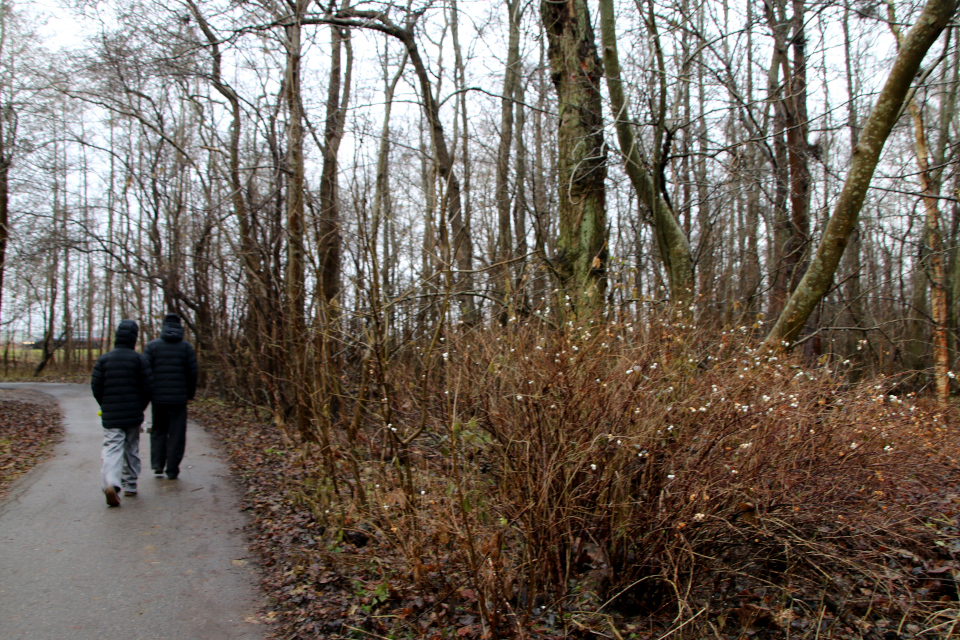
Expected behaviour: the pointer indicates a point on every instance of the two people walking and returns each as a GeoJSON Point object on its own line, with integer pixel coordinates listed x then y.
{"type": "Point", "coordinates": [124, 382]}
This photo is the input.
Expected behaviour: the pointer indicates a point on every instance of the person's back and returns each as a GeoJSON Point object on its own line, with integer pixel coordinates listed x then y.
{"type": "Point", "coordinates": [174, 364]}
{"type": "Point", "coordinates": [121, 383]}
{"type": "Point", "coordinates": [116, 381]}
{"type": "Point", "coordinates": [175, 369]}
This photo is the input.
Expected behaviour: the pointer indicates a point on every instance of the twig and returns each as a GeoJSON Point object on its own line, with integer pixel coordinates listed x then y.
{"type": "Point", "coordinates": [682, 625]}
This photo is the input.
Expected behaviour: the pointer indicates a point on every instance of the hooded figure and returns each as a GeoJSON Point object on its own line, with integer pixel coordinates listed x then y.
{"type": "Point", "coordinates": [175, 369]}
{"type": "Point", "coordinates": [122, 381]}
{"type": "Point", "coordinates": [174, 364]}
{"type": "Point", "coordinates": [122, 384]}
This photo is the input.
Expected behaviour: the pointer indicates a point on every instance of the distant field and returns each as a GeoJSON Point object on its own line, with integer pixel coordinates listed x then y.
{"type": "Point", "coordinates": [18, 363]}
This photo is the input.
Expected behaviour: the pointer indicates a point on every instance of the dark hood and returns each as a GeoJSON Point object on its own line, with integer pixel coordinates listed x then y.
{"type": "Point", "coordinates": [172, 330]}
{"type": "Point", "coordinates": [126, 334]}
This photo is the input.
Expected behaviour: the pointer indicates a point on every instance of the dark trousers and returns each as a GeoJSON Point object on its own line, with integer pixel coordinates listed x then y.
{"type": "Point", "coordinates": [168, 437]}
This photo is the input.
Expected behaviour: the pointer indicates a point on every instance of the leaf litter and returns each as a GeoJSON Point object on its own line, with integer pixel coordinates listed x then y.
{"type": "Point", "coordinates": [30, 426]}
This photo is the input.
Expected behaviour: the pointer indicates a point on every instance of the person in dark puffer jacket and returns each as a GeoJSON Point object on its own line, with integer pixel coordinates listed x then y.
{"type": "Point", "coordinates": [174, 364]}
{"type": "Point", "coordinates": [122, 383]}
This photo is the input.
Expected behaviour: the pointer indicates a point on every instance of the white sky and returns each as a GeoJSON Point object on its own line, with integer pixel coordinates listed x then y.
{"type": "Point", "coordinates": [62, 28]}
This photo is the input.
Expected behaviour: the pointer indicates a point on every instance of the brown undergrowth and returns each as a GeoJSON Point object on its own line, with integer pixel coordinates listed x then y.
{"type": "Point", "coordinates": [28, 432]}
{"type": "Point", "coordinates": [610, 481]}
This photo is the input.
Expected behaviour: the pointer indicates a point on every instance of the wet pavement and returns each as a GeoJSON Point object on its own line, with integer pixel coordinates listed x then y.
{"type": "Point", "coordinates": [170, 563]}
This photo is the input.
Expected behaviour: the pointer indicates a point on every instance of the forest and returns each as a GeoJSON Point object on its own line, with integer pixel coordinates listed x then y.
{"type": "Point", "coordinates": [569, 318]}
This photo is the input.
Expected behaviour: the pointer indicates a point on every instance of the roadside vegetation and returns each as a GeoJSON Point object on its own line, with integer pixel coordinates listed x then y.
{"type": "Point", "coordinates": [19, 364]}
{"type": "Point", "coordinates": [614, 480]}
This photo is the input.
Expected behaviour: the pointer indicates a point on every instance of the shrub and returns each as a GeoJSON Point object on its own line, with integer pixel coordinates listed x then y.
{"type": "Point", "coordinates": [547, 481]}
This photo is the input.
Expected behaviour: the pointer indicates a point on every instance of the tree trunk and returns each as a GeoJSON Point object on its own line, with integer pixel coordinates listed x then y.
{"type": "Point", "coordinates": [853, 290]}
{"type": "Point", "coordinates": [792, 166]}
{"type": "Point", "coordinates": [294, 276]}
{"type": "Point", "coordinates": [798, 149]}
{"type": "Point", "coordinates": [8, 122]}
{"type": "Point", "coordinates": [782, 224]}
{"type": "Point", "coordinates": [381, 196]}
{"type": "Point", "coordinates": [330, 240]}
{"type": "Point", "coordinates": [671, 240]}
{"type": "Point", "coordinates": [933, 249]}
{"type": "Point", "coordinates": [459, 216]}
{"type": "Point", "coordinates": [576, 72]}
{"type": "Point", "coordinates": [4, 212]}
{"type": "Point", "coordinates": [819, 276]}
{"type": "Point", "coordinates": [520, 206]}
{"type": "Point", "coordinates": [511, 80]}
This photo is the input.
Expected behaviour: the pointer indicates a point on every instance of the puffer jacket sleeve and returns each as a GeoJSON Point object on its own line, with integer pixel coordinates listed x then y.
{"type": "Point", "coordinates": [193, 371]}
{"type": "Point", "coordinates": [146, 381]}
{"type": "Point", "coordinates": [96, 381]}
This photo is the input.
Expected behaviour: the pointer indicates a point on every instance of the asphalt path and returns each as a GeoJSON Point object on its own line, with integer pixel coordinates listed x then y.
{"type": "Point", "coordinates": [169, 563]}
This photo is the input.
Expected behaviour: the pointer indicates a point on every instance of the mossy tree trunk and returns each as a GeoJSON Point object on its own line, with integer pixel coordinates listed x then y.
{"type": "Point", "coordinates": [576, 71]}
{"type": "Point", "coordinates": [671, 239]}
{"type": "Point", "coordinates": [884, 115]}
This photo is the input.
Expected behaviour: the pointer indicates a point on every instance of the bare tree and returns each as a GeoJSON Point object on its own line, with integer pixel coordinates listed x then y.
{"type": "Point", "coordinates": [16, 92]}
{"type": "Point", "coordinates": [671, 239]}
{"type": "Point", "coordinates": [511, 84]}
{"type": "Point", "coordinates": [885, 113]}
{"type": "Point", "coordinates": [452, 202]}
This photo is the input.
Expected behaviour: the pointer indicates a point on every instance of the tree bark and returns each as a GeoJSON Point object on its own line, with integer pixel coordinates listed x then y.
{"type": "Point", "coordinates": [337, 102]}
{"type": "Point", "coordinates": [7, 133]}
{"type": "Point", "coordinates": [791, 148]}
{"type": "Point", "coordinates": [853, 289]}
{"type": "Point", "coordinates": [381, 196]}
{"type": "Point", "coordinates": [460, 217]}
{"type": "Point", "coordinates": [294, 275]}
{"type": "Point", "coordinates": [576, 71]}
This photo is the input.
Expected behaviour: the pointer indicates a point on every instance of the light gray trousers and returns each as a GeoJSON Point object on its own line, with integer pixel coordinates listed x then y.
{"type": "Point", "coordinates": [121, 458]}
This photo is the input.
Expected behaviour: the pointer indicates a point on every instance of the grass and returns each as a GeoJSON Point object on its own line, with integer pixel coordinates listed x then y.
{"type": "Point", "coordinates": [20, 365]}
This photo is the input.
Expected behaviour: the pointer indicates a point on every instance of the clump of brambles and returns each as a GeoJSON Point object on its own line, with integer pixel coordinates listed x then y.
{"type": "Point", "coordinates": [620, 480]}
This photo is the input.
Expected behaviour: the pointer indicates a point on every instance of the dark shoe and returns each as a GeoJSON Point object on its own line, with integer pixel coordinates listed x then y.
{"type": "Point", "coordinates": [129, 492]}
{"type": "Point", "coordinates": [172, 476]}
{"type": "Point", "coordinates": [112, 498]}
{"type": "Point", "coordinates": [158, 473]}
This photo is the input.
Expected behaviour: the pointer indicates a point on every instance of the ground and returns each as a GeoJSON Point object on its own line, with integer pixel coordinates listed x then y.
{"type": "Point", "coordinates": [29, 427]}
{"type": "Point", "coordinates": [170, 562]}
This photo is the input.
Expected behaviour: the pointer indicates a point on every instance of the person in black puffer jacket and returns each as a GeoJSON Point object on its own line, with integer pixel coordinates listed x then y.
{"type": "Point", "coordinates": [122, 383]}
{"type": "Point", "coordinates": [175, 369]}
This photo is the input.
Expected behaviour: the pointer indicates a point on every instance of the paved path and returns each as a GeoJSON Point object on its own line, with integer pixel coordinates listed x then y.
{"type": "Point", "coordinates": [170, 563]}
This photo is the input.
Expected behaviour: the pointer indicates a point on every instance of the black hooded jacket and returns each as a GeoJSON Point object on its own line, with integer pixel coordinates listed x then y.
{"type": "Point", "coordinates": [122, 381]}
{"type": "Point", "coordinates": [174, 364]}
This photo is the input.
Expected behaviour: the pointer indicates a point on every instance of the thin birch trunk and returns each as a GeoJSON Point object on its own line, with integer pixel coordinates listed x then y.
{"type": "Point", "coordinates": [511, 79]}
